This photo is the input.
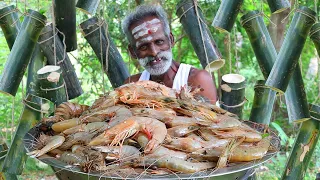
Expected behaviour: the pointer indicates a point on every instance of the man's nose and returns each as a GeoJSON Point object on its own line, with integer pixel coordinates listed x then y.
{"type": "Point", "coordinates": [154, 50]}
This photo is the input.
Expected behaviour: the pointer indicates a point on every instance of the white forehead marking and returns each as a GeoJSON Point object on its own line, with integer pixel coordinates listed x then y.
{"type": "Point", "coordinates": [143, 25]}
{"type": "Point", "coordinates": [144, 31]}
{"type": "Point", "coordinates": [146, 39]}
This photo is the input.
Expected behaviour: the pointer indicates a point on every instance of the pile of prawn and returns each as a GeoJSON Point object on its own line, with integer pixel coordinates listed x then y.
{"type": "Point", "coordinates": [146, 125]}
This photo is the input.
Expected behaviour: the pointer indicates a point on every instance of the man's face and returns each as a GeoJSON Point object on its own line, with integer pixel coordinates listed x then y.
{"type": "Point", "coordinates": [152, 46]}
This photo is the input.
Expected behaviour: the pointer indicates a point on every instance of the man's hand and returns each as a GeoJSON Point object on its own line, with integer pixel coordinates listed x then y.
{"type": "Point", "coordinates": [202, 79]}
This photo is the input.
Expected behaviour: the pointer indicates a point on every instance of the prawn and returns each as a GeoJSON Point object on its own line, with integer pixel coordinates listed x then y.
{"type": "Point", "coordinates": [53, 143]}
{"type": "Point", "coordinates": [90, 127]}
{"type": "Point", "coordinates": [177, 164]}
{"type": "Point", "coordinates": [162, 114]}
{"type": "Point", "coordinates": [67, 110]}
{"type": "Point", "coordinates": [179, 131]}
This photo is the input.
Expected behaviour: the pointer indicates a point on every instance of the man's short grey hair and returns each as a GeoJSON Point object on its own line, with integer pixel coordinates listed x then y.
{"type": "Point", "coordinates": [141, 12]}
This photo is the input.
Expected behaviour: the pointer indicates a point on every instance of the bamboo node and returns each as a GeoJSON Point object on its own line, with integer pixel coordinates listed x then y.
{"type": "Point", "coordinates": [235, 106]}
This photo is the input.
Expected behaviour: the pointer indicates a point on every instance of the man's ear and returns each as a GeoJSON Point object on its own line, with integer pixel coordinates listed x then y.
{"type": "Point", "coordinates": [132, 53]}
{"type": "Point", "coordinates": [171, 39]}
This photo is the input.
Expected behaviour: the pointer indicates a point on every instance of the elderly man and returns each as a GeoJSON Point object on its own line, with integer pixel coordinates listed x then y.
{"type": "Point", "coordinates": [151, 41]}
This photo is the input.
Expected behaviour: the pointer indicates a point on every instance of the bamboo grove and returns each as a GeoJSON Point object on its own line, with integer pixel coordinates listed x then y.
{"type": "Point", "coordinates": [45, 43]}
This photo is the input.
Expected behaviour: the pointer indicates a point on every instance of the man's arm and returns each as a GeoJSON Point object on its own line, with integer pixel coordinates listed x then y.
{"type": "Point", "coordinates": [202, 79]}
{"type": "Point", "coordinates": [133, 78]}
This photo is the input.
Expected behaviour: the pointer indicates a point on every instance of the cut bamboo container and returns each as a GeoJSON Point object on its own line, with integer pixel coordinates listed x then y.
{"type": "Point", "coordinates": [31, 114]}
{"type": "Point", "coordinates": [262, 106]}
{"type": "Point", "coordinates": [88, 6]}
{"type": "Point", "coordinates": [291, 49]}
{"type": "Point", "coordinates": [201, 39]}
{"type": "Point", "coordinates": [304, 146]}
{"type": "Point", "coordinates": [21, 52]}
{"type": "Point", "coordinates": [227, 15]}
{"type": "Point", "coordinates": [266, 54]}
{"type": "Point", "coordinates": [51, 84]}
{"type": "Point", "coordinates": [94, 31]}
{"type": "Point", "coordinates": [10, 24]}
{"type": "Point", "coordinates": [46, 42]}
{"type": "Point", "coordinates": [65, 21]}
{"type": "Point", "coordinates": [3, 175]}
{"type": "Point", "coordinates": [233, 93]}
{"type": "Point", "coordinates": [277, 6]}
{"type": "Point", "coordinates": [315, 36]}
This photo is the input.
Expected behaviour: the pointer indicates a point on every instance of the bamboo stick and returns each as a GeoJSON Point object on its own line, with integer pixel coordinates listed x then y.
{"type": "Point", "coordinates": [291, 49]}
{"type": "Point", "coordinates": [36, 63]}
{"type": "Point", "coordinates": [51, 84]}
{"type": "Point", "coordinates": [94, 30]}
{"type": "Point", "coordinates": [4, 175]}
{"type": "Point", "coordinates": [315, 36]}
{"type": "Point", "coordinates": [10, 24]}
{"type": "Point", "coordinates": [277, 6]}
{"type": "Point", "coordinates": [88, 6]}
{"type": "Point", "coordinates": [31, 114]}
{"type": "Point", "coordinates": [266, 54]}
{"type": "Point", "coordinates": [21, 52]}
{"type": "Point", "coordinates": [65, 21]}
{"type": "Point", "coordinates": [233, 93]}
{"type": "Point", "coordinates": [304, 146]}
{"type": "Point", "coordinates": [262, 106]}
{"type": "Point", "coordinates": [227, 15]}
{"type": "Point", "coordinates": [46, 41]}
{"type": "Point", "coordinates": [201, 39]}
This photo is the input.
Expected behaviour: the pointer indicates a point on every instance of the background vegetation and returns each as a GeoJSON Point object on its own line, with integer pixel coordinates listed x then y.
{"type": "Point", "coordinates": [242, 61]}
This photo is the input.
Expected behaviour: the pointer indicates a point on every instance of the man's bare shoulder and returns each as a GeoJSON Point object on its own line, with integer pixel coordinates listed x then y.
{"type": "Point", "coordinates": [133, 78]}
{"type": "Point", "coordinates": [198, 74]}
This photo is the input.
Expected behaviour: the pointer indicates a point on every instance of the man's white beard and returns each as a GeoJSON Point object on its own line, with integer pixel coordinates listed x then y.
{"type": "Point", "coordinates": [162, 67]}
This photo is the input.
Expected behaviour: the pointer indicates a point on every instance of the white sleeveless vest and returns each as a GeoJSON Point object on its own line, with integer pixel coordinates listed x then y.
{"type": "Point", "coordinates": [180, 80]}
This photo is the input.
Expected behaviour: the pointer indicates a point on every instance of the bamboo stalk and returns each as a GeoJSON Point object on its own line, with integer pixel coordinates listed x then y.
{"type": "Point", "coordinates": [304, 146]}
{"type": "Point", "coordinates": [94, 30]}
{"type": "Point", "coordinates": [277, 6]}
{"type": "Point", "coordinates": [201, 39]}
{"type": "Point", "coordinates": [51, 84]}
{"type": "Point", "coordinates": [315, 36]}
{"type": "Point", "coordinates": [233, 93]}
{"type": "Point", "coordinates": [227, 15]}
{"type": "Point", "coordinates": [31, 114]}
{"type": "Point", "coordinates": [262, 106]}
{"type": "Point", "coordinates": [36, 63]}
{"type": "Point", "coordinates": [65, 20]}
{"type": "Point", "coordinates": [88, 6]}
{"type": "Point", "coordinates": [3, 175]}
{"type": "Point", "coordinates": [291, 49]}
{"type": "Point", "coordinates": [21, 52]}
{"type": "Point", "coordinates": [10, 24]}
{"type": "Point", "coordinates": [266, 54]}
{"type": "Point", "coordinates": [46, 41]}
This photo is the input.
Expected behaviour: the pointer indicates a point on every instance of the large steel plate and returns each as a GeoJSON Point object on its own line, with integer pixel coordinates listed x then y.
{"type": "Point", "coordinates": [233, 171]}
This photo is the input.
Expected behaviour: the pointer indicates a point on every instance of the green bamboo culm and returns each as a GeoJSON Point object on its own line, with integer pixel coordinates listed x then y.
{"type": "Point", "coordinates": [36, 63]}
{"type": "Point", "coordinates": [304, 146]}
{"type": "Point", "coordinates": [49, 44]}
{"type": "Point", "coordinates": [277, 6]}
{"type": "Point", "coordinates": [262, 106]}
{"type": "Point", "coordinates": [201, 39]}
{"type": "Point", "coordinates": [21, 52]}
{"type": "Point", "coordinates": [291, 49]}
{"type": "Point", "coordinates": [227, 15]}
{"type": "Point", "coordinates": [88, 6]}
{"type": "Point", "coordinates": [65, 21]}
{"type": "Point", "coordinates": [266, 54]}
{"type": "Point", "coordinates": [10, 24]}
{"type": "Point", "coordinates": [4, 175]}
{"type": "Point", "coordinates": [94, 31]}
{"type": "Point", "coordinates": [315, 36]}
{"type": "Point", "coordinates": [51, 84]}
{"type": "Point", "coordinates": [31, 114]}
{"type": "Point", "coordinates": [233, 93]}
